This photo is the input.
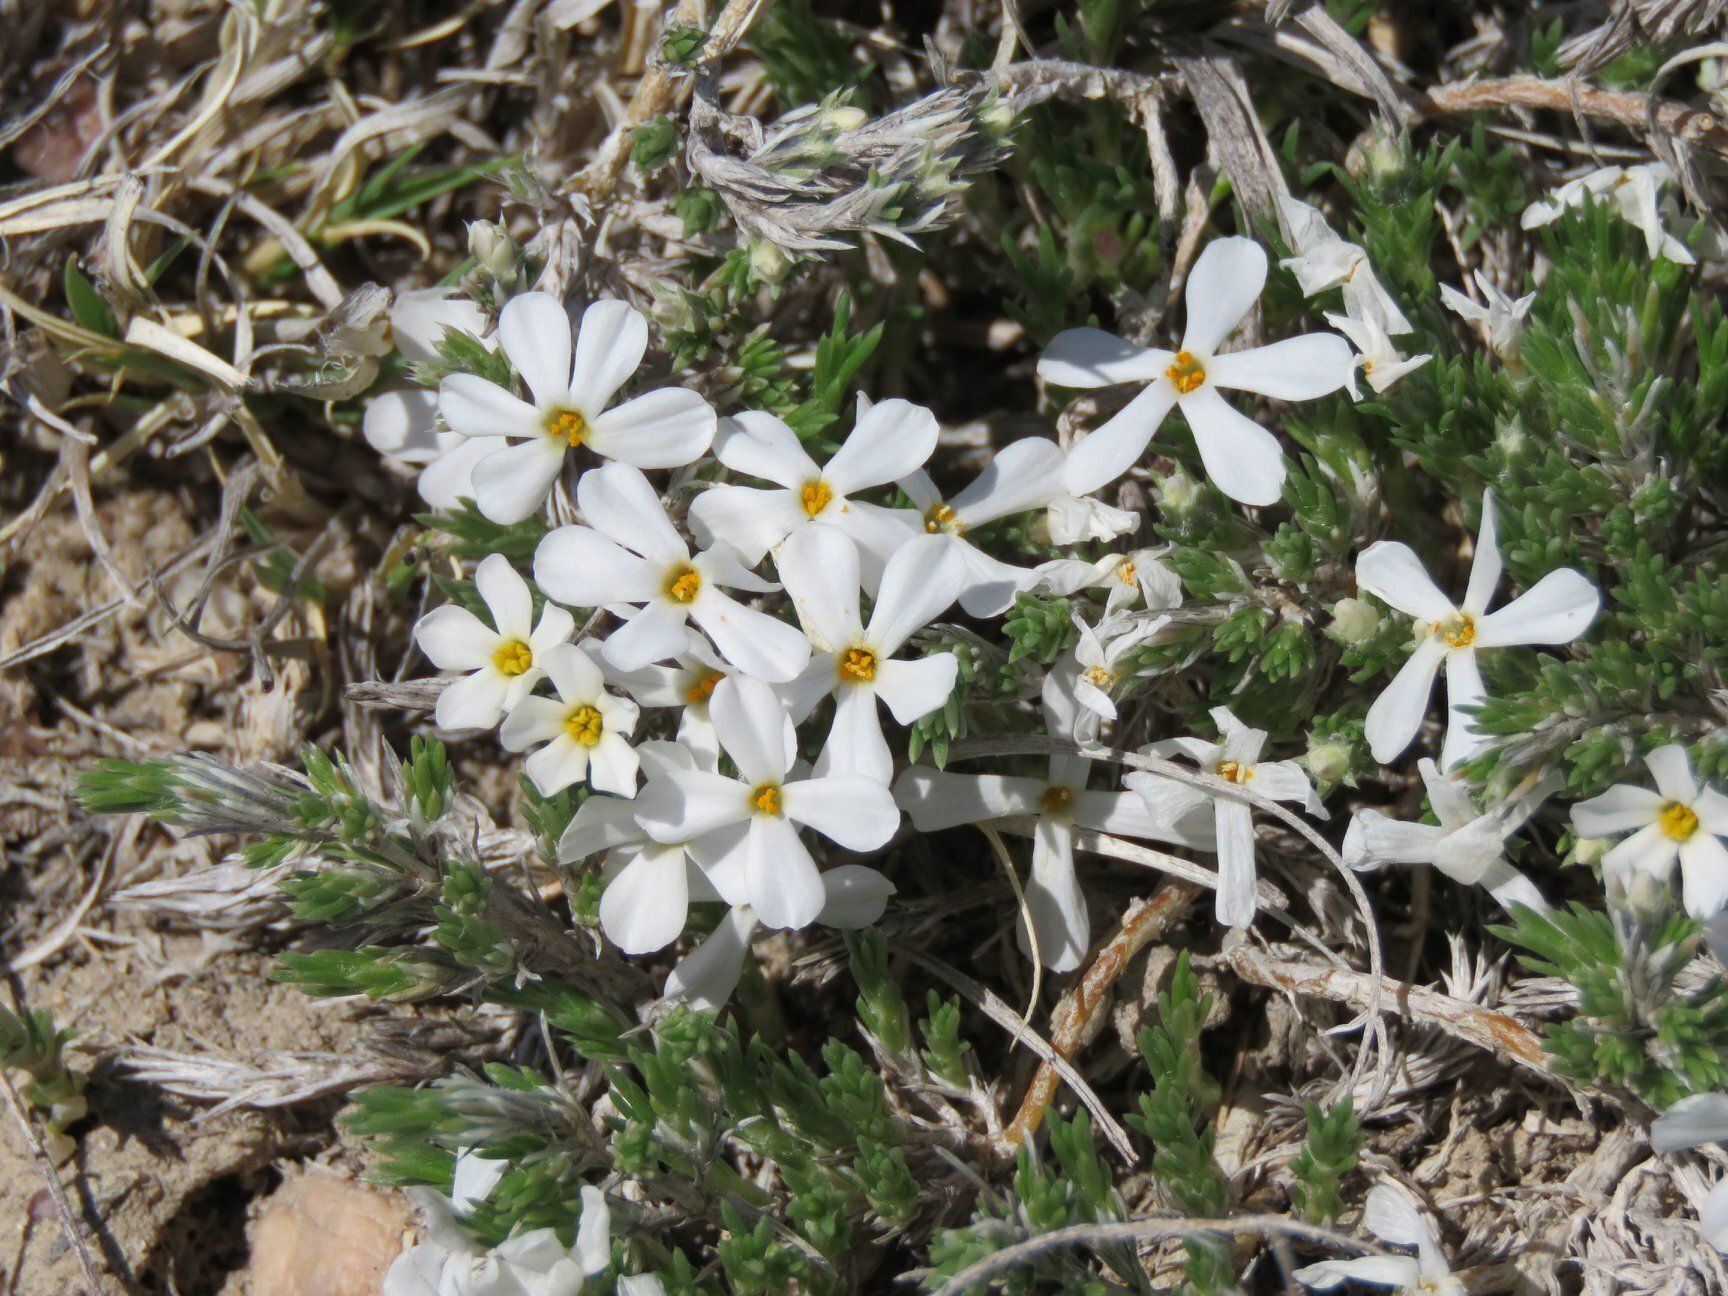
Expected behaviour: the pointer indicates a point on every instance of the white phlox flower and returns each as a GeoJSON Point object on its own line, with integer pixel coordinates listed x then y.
{"type": "Point", "coordinates": [452, 1263]}
{"type": "Point", "coordinates": [1635, 192]}
{"type": "Point", "coordinates": [630, 555]}
{"type": "Point", "coordinates": [1555, 610]}
{"type": "Point", "coordinates": [938, 799]}
{"type": "Point", "coordinates": [1681, 820]}
{"type": "Point", "coordinates": [585, 730]}
{"type": "Point", "coordinates": [1075, 519]}
{"type": "Point", "coordinates": [890, 440]}
{"type": "Point", "coordinates": [572, 382]}
{"type": "Point", "coordinates": [854, 897]}
{"type": "Point", "coordinates": [1500, 315]}
{"type": "Point", "coordinates": [1023, 475]}
{"type": "Point", "coordinates": [1241, 457]}
{"type": "Point", "coordinates": [1098, 662]}
{"type": "Point", "coordinates": [1324, 261]}
{"type": "Point", "coordinates": [686, 684]}
{"type": "Point", "coordinates": [504, 660]}
{"type": "Point", "coordinates": [1381, 363]}
{"type": "Point", "coordinates": [1392, 1216]}
{"type": "Point", "coordinates": [1128, 579]}
{"type": "Point", "coordinates": [751, 822]}
{"type": "Point", "coordinates": [1236, 759]}
{"type": "Point", "coordinates": [853, 662]}
{"type": "Point", "coordinates": [1466, 845]}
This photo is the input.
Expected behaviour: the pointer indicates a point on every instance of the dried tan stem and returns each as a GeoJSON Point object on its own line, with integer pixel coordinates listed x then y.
{"type": "Point", "coordinates": [1634, 111]}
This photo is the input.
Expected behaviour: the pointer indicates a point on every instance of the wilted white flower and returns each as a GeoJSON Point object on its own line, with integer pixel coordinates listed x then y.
{"type": "Point", "coordinates": [572, 383]}
{"type": "Point", "coordinates": [1074, 519]}
{"type": "Point", "coordinates": [586, 731]}
{"type": "Point", "coordinates": [1501, 316]}
{"type": "Point", "coordinates": [1021, 476]}
{"type": "Point", "coordinates": [855, 663]}
{"type": "Point", "coordinates": [1241, 457]}
{"type": "Point", "coordinates": [1098, 660]}
{"type": "Point", "coordinates": [1236, 759]}
{"type": "Point", "coordinates": [504, 660]}
{"type": "Point", "coordinates": [1391, 1216]}
{"type": "Point", "coordinates": [890, 440]}
{"type": "Point", "coordinates": [751, 822]}
{"type": "Point", "coordinates": [1324, 261]}
{"type": "Point", "coordinates": [630, 554]}
{"type": "Point", "coordinates": [1466, 846]}
{"type": "Point", "coordinates": [1127, 579]}
{"type": "Point", "coordinates": [1556, 610]}
{"type": "Point", "coordinates": [1681, 820]}
{"type": "Point", "coordinates": [1635, 192]}
{"type": "Point", "coordinates": [1381, 363]}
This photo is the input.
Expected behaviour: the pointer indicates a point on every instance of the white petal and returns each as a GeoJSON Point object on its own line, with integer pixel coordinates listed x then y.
{"type": "Point", "coordinates": [453, 638]}
{"type": "Point", "coordinates": [937, 799]}
{"type": "Point", "coordinates": [1222, 288]}
{"type": "Point", "coordinates": [685, 804]}
{"type": "Point", "coordinates": [1130, 814]}
{"type": "Point", "coordinates": [855, 745]}
{"type": "Point", "coordinates": [818, 564]}
{"type": "Point", "coordinates": [920, 582]}
{"type": "Point", "coordinates": [475, 1178]}
{"type": "Point", "coordinates": [506, 596]}
{"type": "Point", "coordinates": [418, 1271]}
{"type": "Point", "coordinates": [759, 445]}
{"type": "Point", "coordinates": [785, 888]}
{"type": "Point", "coordinates": [991, 586]}
{"type": "Point", "coordinates": [1242, 458]}
{"type": "Point", "coordinates": [532, 720]}
{"type": "Point", "coordinates": [473, 702]}
{"type": "Point", "coordinates": [754, 729]}
{"type": "Point", "coordinates": [1621, 808]}
{"type": "Point", "coordinates": [1285, 781]}
{"type": "Point", "coordinates": [1237, 899]}
{"type": "Point", "coordinates": [476, 408]}
{"type": "Point", "coordinates": [706, 977]}
{"type": "Point", "coordinates": [599, 824]}
{"type": "Point", "coordinates": [916, 687]}
{"type": "Point", "coordinates": [1485, 565]}
{"type": "Point", "coordinates": [1089, 357]}
{"type": "Point", "coordinates": [403, 423]}
{"type": "Point", "coordinates": [1704, 873]}
{"type": "Point", "coordinates": [617, 501]}
{"type": "Point", "coordinates": [609, 346]}
{"type": "Point", "coordinates": [593, 1249]}
{"type": "Point", "coordinates": [1672, 771]}
{"type": "Point", "coordinates": [655, 634]}
{"type": "Point", "coordinates": [511, 484]}
{"type": "Point", "coordinates": [1510, 887]}
{"type": "Point", "coordinates": [1024, 475]}
{"type": "Point", "coordinates": [1394, 574]}
{"type": "Point", "coordinates": [1397, 713]}
{"type": "Point", "coordinates": [1649, 850]}
{"type": "Point", "coordinates": [753, 641]}
{"type": "Point", "coordinates": [420, 317]}
{"type": "Point", "coordinates": [752, 521]}
{"type": "Point", "coordinates": [561, 763]}
{"type": "Point", "coordinates": [573, 672]}
{"type": "Point", "coordinates": [1054, 901]}
{"type": "Point", "coordinates": [1555, 610]}
{"type": "Point", "coordinates": [1374, 839]}
{"type": "Point", "coordinates": [857, 813]}
{"type": "Point", "coordinates": [1298, 368]}
{"type": "Point", "coordinates": [893, 440]}
{"type": "Point", "coordinates": [856, 896]}
{"type": "Point", "coordinates": [449, 478]}
{"type": "Point", "coordinates": [878, 532]}
{"type": "Point", "coordinates": [644, 907]}
{"type": "Point", "coordinates": [1713, 1214]}
{"type": "Point", "coordinates": [1464, 693]}
{"type": "Point", "coordinates": [1700, 1118]}
{"type": "Point", "coordinates": [582, 568]}
{"type": "Point", "coordinates": [1111, 450]}
{"type": "Point", "coordinates": [613, 766]}
{"type": "Point", "coordinates": [534, 331]}
{"type": "Point", "coordinates": [667, 428]}
{"type": "Point", "coordinates": [1380, 1271]}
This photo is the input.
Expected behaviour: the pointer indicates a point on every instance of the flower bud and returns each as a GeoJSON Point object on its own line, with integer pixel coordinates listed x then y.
{"type": "Point", "coordinates": [1354, 621]}
{"type": "Point", "coordinates": [844, 117]}
{"type": "Point", "coordinates": [1328, 761]}
{"type": "Point", "coordinates": [1178, 492]}
{"type": "Point", "coordinates": [768, 261]}
{"type": "Point", "coordinates": [491, 245]}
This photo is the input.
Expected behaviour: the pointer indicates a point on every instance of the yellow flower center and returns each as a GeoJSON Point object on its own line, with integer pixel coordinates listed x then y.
{"type": "Point", "coordinates": [766, 799]}
{"type": "Point", "coordinates": [683, 584]}
{"type": "Point", "coordinates": [1185, 372]}
{"type": "Point", "coordinates": [1125, 571]}
{"type": "Point", "coordinates": [815, 496]}
{"type": "Point", "coordinates": [1056, 800]}
{"type": "Point", "coordinates": [858, 666]}
{"type": "Point", "coordinates": [941, 518]}
{"type": "Point", "coordinates": [703, 689]}
{"type": "Point", "coordinates": [1459, 630]}
{"type": "Point", "coordinates": [1101, 677]}
{"type": "Point", "coordinates": [566, 425]}
{"type": "Point", "coordinates": [584, 724]}
{"type": "Point", "coordinates": [1233, 771]}
{"type": "Point", "coordinates": [1678, 821]}
{"type": "Point", "coordinates": [513, 658]}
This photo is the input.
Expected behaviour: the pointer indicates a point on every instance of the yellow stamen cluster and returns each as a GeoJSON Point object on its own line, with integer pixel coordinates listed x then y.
{"type": "Point", "coordinates": [1459, 631]}
{"type": "Point", "coordinates": [585, 725]}
{"type": "Point", "coordinates": [513, 658]}
{"type": "Point", "coordinates": [767, 799]}
{"type": "Point", "coordinates": [1233, 771]}
{"type": "Point", "coordinates": [683, 584]}
{"type": "Point", "coordinates": [858, 665]}
{"type": "Point", "coordinates": [703, 689]}
{"type": "Point", "coordinates": [1056, 800]}
{"type": "Point", "coordinates": [815, 496]}
{"type": "Point", "coordinates": [567, 425]}
{"type": "Point", "coordinates": [1186, 373]}
{"type": "Point", "coordinates": [1125, 571]}
{"type": "Point", "coordinates": [1101, 677]}
{"type": "Point", "coordinates": [941, 518]}
{"type": "Point", "coordinates": [1678, 821]}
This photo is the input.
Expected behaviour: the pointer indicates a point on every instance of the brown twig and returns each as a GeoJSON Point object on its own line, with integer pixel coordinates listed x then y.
{"type": "Point", "coordinates": [1071, 1021]}
{"type": "Point", "coordinates": [1625, 108]}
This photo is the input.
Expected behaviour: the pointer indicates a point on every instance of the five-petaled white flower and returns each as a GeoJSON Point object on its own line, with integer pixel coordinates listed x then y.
{"type": "Point", "coordinates": [1680, 820]}
{"type": "Point", "coordinates": [751, 822]}
{"type": "Point", "coordinates": [1381, 363]}
{"type": "Point", "coordinates": [630, 554]}
{"type": "Point", "coordinates": [1236, 759]}
{"type": "Point", "coordinates": [1392, 1216]}
{"type": "Point", "coordinates": [586, 731]}
{"type": "Point", "coordinates": [855, 663]}
{"type": "Point", "coordinates": [504, 659]}
{"type": "Point", "coordinates": [1021, 476]}
{"type": "Point", "coordinates": [1241, 457]}
{"type": "Point", "coordinates": [891, 440]}
{"type": "Point", "coordinates": [1094, 667]}
{"type": "Point", "coordinates": [1126, 578]}
{"type": "Point", "coordinates": [1635, 192]}
{"type": "Point", "coordinates": [1500, 315]}
{"type": "Point", "coordinates": [1324, 260]}
{"type": "Point", "coordinates": [572, 384]}
{"type": "Point", "coordinates": [1556, 610]}
{"type": "Point", "coordinates": [1467, 846]}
